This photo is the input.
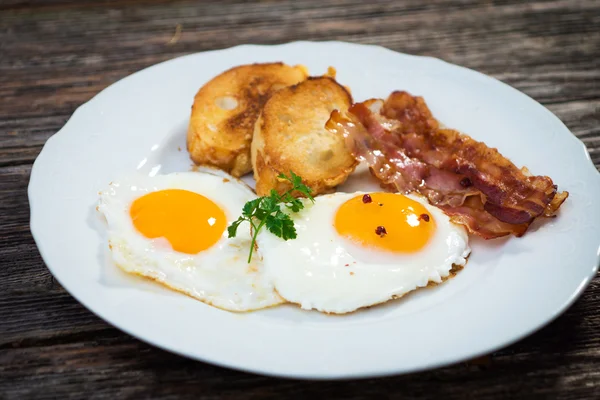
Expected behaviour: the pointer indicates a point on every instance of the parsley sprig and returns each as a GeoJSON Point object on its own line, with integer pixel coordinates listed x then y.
{"type": "Point", "coordinates": [266, 212]}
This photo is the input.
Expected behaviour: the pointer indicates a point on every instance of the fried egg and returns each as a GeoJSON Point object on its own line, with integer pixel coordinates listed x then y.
{"type": "Point", "coordinates": [172, 229]}
{"type": "Point", "coordinates": [356, 250]}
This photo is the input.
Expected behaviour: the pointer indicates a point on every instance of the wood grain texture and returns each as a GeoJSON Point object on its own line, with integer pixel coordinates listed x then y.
{"type": "Point", "coordinates": [57, 54]}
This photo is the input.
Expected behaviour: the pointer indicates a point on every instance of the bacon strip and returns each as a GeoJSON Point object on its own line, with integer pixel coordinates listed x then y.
{"type": "Point", "coordinates": [475, 185]}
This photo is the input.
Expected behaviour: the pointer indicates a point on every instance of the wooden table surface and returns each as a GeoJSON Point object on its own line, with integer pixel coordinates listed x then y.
{"type": "Point", "coordinates": [57, 54]}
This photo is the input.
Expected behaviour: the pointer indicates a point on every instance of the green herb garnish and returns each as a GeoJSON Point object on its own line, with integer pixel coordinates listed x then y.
{"type": "Point", "coordinates": [266, 211]}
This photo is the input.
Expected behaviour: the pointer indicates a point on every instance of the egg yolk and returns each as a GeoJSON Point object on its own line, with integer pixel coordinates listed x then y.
{"type": "Point", "coordinates": [385, 221]}
{"type": "Point", "coordinates": [189, 221]}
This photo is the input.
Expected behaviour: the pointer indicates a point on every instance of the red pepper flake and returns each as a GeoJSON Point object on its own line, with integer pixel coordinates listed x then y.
{"type": "Point", "coordinates": [367, 199]}
{"type": "Point", "coordinates": [380, 204]}
{"type": "Point", "coordinates": [466, 182]}
{"type": "Point", "coordinates": [424, 217]}
{"type": "Point", "coordinates": [381, 231]}
{"type": "Point", "coordinates": [347, 265]}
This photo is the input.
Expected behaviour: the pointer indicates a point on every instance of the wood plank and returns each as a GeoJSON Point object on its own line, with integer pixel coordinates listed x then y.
{"type": "Point", "coordinates": [515, 39]}
{"type": "Point", "coordinates": [14, 206]}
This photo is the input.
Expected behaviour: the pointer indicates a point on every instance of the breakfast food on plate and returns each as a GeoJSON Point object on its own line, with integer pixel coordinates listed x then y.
{"type": "Point", "coordinates": [290, 135]}
{"type": "Point", "coordinates": [226, 108]}
{"type": "Point", "coordinates": [407, 150]}
{"type": "Point", "coordinates": [355, 250]}
{"type": "Point", "coordinates": [172, 228]}
{"type": "Point", "coordinates": [208, 235]}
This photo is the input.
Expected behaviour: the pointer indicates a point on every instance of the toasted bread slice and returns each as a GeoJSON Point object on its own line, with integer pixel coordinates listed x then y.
{"type": "Point", "coordinates": [290, 135]}
{"type": "Point", "coordinates": [226, 108]}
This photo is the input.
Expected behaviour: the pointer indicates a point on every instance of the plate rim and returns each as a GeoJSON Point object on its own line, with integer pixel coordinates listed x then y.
{"type": "Point", "coordinates": [265, 370]}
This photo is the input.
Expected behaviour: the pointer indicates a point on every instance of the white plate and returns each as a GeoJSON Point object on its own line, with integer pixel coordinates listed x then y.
{"type": "Point", "coordinates": [510, 287]}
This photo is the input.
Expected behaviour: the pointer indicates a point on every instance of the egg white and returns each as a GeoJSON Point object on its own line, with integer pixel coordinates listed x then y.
{"type": "Point", "coordinates": [219, 276]}
{"type": "Point", "coordinates": [322, 270]}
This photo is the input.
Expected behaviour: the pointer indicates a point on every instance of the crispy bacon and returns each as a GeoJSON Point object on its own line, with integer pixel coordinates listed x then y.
{"type": "Point", "coordinates": [407, 150]}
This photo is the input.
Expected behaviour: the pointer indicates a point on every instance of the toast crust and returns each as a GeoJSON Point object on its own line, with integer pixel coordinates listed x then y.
{"type": "Point", "coordinates": [290, 135]}
{"type": "Point", "coordinates": [225, 111]}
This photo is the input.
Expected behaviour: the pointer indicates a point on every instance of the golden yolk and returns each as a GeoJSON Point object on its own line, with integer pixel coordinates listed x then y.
{"type": "Point", "coordinates": [391, 222]}
{"type": "Point", "coordinates": [188, 220]}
